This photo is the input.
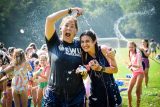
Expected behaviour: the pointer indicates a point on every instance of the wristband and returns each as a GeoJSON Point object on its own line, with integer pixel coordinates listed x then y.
{"type": "Point", "coordinates": [102, 69]}
{"type": "Point", "coordinates": [69, 11]}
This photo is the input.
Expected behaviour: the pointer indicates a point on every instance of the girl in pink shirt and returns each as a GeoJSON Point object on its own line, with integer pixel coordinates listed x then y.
{"type": "Point", "coordinates": [136, 67]}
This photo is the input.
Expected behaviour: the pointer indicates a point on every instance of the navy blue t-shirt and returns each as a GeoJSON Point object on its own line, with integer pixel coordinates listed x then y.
{"type": "Point", "coordinates": [64, 60]}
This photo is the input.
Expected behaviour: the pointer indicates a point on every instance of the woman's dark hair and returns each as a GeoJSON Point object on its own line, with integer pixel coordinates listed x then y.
{"type": "Point", "coordinates": [92, 35]}
{"type": "Point", "coordinates": [146, 40]}
{"type": "Point", "coordinates": [89, 33]}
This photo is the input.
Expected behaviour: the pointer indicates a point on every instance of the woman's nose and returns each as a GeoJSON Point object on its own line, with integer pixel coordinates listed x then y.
{"type": "Point", "coordinates": [68, 27]}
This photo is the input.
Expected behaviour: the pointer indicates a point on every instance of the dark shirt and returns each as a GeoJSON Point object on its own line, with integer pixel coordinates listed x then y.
{"type": "Point", "coordinates": [64, 60]}
{"type": "Point", "coordinates": [99, 80]}
{"type": "Point", "coordinates": [103, 86]}
{"type": "Point", "coordinates": [143, 55]}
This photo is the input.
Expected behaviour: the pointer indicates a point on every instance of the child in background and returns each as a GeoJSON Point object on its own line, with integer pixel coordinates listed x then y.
{"type": "Point", "coordinates": [136, 67]}
{"type": "Point", "coordinates": [153, 46]}
{"type": "Point", "coordinates": [42, 75]}
{"type": "Point", "coordinates": [145, 61]}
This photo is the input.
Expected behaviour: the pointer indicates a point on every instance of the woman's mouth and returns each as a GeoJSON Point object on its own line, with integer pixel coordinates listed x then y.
{"type": "Point", "coordinates": [68, 34]}
{"type": "Point", "coordinates": [85, 48]}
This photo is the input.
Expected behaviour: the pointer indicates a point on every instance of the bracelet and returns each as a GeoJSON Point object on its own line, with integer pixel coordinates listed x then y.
{"type": "Point", "coordinates": [69, 11]}
{"type": "Point", "coordinates": [3, 73]}
{"type": "Point", "coordinates": [102, 69]}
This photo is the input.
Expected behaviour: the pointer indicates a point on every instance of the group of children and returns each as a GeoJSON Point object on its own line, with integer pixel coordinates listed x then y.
{"type": "Point", "coordinates": [27, 76]}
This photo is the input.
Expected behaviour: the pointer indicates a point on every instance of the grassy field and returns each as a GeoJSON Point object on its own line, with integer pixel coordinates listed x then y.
{"type": "Point", "coordinates": [150, 95]}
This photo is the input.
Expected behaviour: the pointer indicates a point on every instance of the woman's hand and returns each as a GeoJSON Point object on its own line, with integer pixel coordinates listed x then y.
{"type": "Point", "coordinates": [94, 65]}
{"type": "Point", "coordinates": [108, 52]}
{"type": "Point", "coordinates": [111, 54]}
{"type": "Point", "coordinates": [81, 70]}
{"type": "Point", "coordinates": [78, 10]}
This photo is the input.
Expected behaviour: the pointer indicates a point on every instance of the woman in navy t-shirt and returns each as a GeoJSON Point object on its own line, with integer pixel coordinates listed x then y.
{"type": "Point", "coordinates": [65, 87]}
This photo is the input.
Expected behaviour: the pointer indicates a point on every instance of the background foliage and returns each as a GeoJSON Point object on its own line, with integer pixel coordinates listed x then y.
{"type": "Point", "coordinates": [100, 15]}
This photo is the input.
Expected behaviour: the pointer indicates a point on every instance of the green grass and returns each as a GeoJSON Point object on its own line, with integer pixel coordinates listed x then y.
{"type": "Point", "coordinates": [151, 95]}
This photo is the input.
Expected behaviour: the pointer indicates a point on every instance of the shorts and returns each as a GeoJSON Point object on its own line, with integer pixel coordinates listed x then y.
{"type": "Point", "coordinates": [51, 99]}
{"type": "Point", "coordinates": [145, 63]}
{"type": "Point", "coordinates": [135, 74]}
{"type": "Point", "coordinates": [42, 85]}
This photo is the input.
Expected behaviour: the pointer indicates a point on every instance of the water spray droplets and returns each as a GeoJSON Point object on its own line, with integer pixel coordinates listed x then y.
{"type": "Point", "coordinates": [35, 26]}
{"type": "Point", "coordinates": [22, 31]}
{"type": "Point", "coordinates": [85, 19]}
{"type": "Point", "coordinates": [116, 25]}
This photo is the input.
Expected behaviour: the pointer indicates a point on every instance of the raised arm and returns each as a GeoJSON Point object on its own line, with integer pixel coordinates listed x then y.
{"type": "Point", "coordinates": [113, 66]}
{"type": "Point", "coordinates": [54, 17]}
{"type": "Point", "coordinates": [109, 54]}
